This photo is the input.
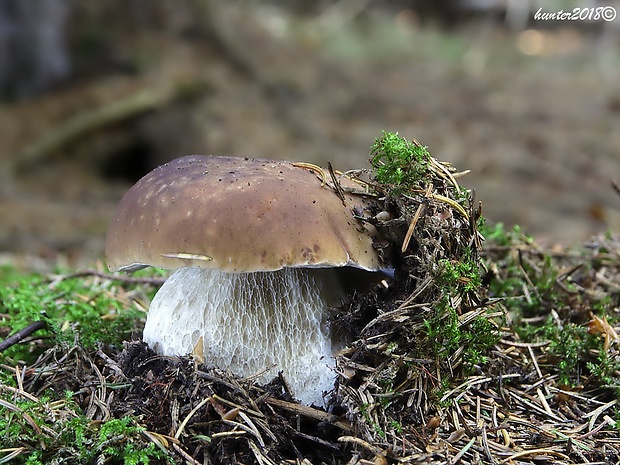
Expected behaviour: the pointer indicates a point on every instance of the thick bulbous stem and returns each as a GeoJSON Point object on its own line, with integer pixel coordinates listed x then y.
{"type": "Point", "coordinates": [251, 324]}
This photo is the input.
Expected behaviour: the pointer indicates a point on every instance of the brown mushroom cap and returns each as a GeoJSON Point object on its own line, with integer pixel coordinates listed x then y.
{"type": "Point", "coordinates": [238, 215]}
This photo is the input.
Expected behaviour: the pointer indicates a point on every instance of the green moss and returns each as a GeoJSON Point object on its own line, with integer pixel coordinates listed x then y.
{"type": "Point", "coordinates": [446, 333]}
{"type": "Point", "coordinates": [547, 307]}
{"type": "Point", "coordinates": [83, 312]}
{"type": "Point", "coordinates": [404, 169]}
{"type": "Point", "coordinates": [447, 336]}
{"type": "Point", "coordinates": [87, 309]}
{"type": "Point", "coordinates": [607, 370]}
{"type": "Point", "coordinates": [117, 440]}
{"type": "Point", "coordinates": [57, 432]}
{"type": "Point", "coordinates": [399, 163]}
{"type": "Point", "coordinates": [497, 235]}
{"type": "Point", "coordinates": [459, 276]}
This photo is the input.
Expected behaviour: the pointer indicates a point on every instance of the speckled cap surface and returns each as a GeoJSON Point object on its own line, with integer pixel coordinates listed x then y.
{"type": "Point", "coordinates": [238, 215]}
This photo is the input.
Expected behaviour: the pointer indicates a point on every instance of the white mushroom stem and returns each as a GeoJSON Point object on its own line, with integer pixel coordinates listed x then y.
{"type": "Point", "coordinates": [251, 323]}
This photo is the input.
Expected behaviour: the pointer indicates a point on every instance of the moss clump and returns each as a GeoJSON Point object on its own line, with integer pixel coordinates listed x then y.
{"type": "Point", "coordinates": [431, 326]}
{"type": "Point", "coordinates": [399, 164]}
{"type": "Point", "coordinates": [56, 431]}
{"type": "Point", "coordinates": [71, 308]}
{"type": "Point", "coordinates": [51, 408]}
{"type": "Point", "coordinates": [463, 275]}
{"type": "Point", "coordinates": [560, 302]}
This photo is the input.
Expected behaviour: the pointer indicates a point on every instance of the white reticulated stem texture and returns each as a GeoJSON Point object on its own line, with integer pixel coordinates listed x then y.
{"type": "Point", "coordinates": [251, 322]}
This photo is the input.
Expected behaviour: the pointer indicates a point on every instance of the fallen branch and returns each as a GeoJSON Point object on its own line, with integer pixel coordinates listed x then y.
{"type": "Point", "coordinates": [21, 334]}
{"type": "Point", "coordinates": [309, 412]}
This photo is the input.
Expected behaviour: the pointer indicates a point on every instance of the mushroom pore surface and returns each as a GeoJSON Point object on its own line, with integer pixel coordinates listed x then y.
{"type": "Point", "coordinates": [251, 324]}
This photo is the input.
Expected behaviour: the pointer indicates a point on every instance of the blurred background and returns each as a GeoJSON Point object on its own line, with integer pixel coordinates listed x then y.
{"type": "Point", "coordinates": [95, 94]}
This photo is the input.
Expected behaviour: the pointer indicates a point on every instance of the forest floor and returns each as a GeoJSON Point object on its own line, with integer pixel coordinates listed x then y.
{"type": "Point", "coordinates": [474, 351]}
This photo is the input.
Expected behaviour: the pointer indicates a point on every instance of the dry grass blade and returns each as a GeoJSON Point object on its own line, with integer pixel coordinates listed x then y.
{"type": "Point", "coordinates": [309, 412]}
{"type": "Point", "coordinates": [254, 429]}
{"type": "Point", "coordinates": [185, 455]}
{"type": "Point", "coordinates": [456, 459]}
{"type": "Point", "coordinates": [12, 453]}
{"type": "Point", "coordinates": [14, 408]}
{"type": "Point", "coordinates": [314, 168]}
{"type": "Point", "coordinates": [229, 434]}
{"type": "Point", "coordinates": [593, 415]}
{"type": "Point", "coordinates": [181, 427]}
{"type": "Point", "coordinates": [19, 392]}
{"type": "Point", "coordinates": [336, 184]}
{"type": "Point", "coordinates": [536, 452]}
{"type": "Point", "coordinates": [473, 381]}
{"type": "Point", "coordinates": [260, 457]}
{"type": "Point", "coordinates": [255, 413]}
{"type": "Point", "coordinates": [414, 220]}
{"type": "Point", "coordinates": [442, 170]}
{"type": "Point", "coordinates": [607, 422]}
{"type": "Point", "coordinates": [247, 428]}
{"type": "Point", "coordinates": [360, 442]}
{"type": "Point", "coordinates": [160, 440]}
{"type": "Point", "coordinates": [155, 281]}
{"type": "Point", "coordinates": [450, 202]}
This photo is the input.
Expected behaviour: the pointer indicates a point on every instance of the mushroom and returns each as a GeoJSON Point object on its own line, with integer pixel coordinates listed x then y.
{"type": "Point", "coordinates": [256, 245]}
